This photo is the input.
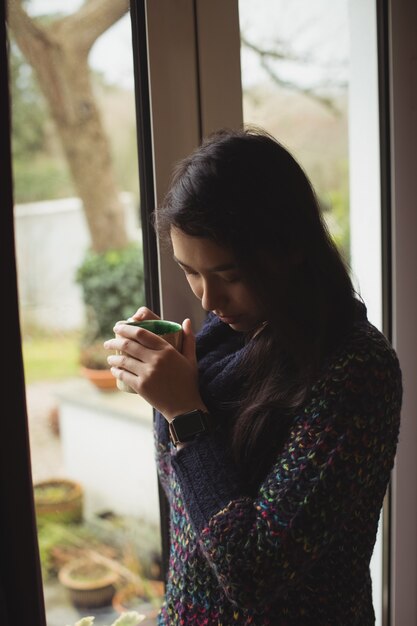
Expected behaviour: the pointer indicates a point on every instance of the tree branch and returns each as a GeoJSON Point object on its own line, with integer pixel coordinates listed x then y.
{"type": "Point", "coordinates": [283, 54]}
{"type": "Point", "coordinates": [80, 30]}
{"type": "Point", "coordinates": [279, 53]}
{"type": "Point", "coordinates": [94, 17]}
{"type": "Point", "coordinates": [21, 24]}
{"type": "Point", "coordinates": [311, 92]}
{"type": "Point", "coordinates": [35, 44]}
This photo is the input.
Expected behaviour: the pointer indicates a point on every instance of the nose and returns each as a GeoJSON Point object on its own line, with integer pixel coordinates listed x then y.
{"type": "Point", "coordinates": [212, 296]}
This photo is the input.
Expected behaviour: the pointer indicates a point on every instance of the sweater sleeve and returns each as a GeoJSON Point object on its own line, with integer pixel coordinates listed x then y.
{"type": "Point", "coordinates": [336, 461]}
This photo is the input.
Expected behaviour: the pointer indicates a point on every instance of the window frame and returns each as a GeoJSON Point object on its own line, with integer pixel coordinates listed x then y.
{"type": "Point", "coordinates": [382, 16]}
{"type": "Point", "coordinates": [401, 40]}
{"type": "Point", "coordinates": [19, 561]}
{"type": "Point", "coordinates": [178, 46]}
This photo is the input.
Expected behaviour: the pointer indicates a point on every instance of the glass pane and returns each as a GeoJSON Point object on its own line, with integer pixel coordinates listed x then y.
{"type": "Point", "coordinates": [80, 269]}
{"type": "Point", "coordinates": [309, 76]}
{"type": "Point", "coordinates": [295, 61]}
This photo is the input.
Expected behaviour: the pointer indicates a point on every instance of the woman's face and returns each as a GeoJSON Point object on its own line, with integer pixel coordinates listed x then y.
{"type": "Point", "coordinates": [214, 278]}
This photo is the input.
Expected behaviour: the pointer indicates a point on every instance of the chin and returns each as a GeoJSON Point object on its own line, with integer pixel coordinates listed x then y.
{"type": "Point", "coordinates": [243, 327]}
{"type": "Point", "coordinates": [237, 327]}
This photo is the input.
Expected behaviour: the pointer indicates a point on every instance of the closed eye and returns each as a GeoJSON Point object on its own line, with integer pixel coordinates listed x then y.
{"type": "Point", "coordinates": [231, 279]}
{"type": "Point", "coordinates": [226, 272]}
{"type": "Point", "coordinates": [188, 272]}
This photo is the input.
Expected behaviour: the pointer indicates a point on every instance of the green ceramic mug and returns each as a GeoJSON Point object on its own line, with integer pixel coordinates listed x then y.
{"type": "Point", "coordinates": [170, 331]}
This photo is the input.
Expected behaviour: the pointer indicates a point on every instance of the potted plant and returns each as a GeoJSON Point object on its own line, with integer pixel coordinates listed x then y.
{"type": "Point", "coordinates": [90, 583]}
{"type": "Point", "coordinates": [112, 285]}
{"type": "Point", "coordinates": [60, 543]}
{"type": "Point", "coordinates": [94, 366]}
{"type": "Point", "coordinates": [58, 500]}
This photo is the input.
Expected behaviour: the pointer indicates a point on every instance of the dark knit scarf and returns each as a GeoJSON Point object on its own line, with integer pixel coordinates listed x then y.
{"type": "Point", "coordinates": [221, 382]}
{"type": "Point", "coordinates": [219, 350]}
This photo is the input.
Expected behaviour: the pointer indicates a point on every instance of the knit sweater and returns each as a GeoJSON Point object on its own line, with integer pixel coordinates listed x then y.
{"type": "Point", "coordinates": [298, 552]}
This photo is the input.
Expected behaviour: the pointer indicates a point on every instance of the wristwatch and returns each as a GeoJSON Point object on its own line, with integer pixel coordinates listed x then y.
{"type": "Point", "coordinates": [187, 426]}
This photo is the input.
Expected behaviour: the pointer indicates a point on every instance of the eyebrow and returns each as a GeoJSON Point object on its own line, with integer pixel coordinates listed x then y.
{"type": "Point", "coordinates": [224, 267]}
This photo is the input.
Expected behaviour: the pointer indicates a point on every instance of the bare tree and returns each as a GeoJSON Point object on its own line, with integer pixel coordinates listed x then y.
{"type": "Point", "coordinates": [58, 53]}
{"type": "Point", "coordinates": [281, 51]}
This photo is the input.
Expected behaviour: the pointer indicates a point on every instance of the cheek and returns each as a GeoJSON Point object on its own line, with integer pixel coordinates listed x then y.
{"type": "Point", "coordinates": [247, 299]}
{"type": "Point", "coordinates": [195, 287]}
{"type": "Point", "coordinates": [243, 294]}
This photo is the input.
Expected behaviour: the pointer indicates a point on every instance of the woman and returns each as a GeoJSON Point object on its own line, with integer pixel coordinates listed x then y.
{"type": "Point", "coordinates": [277, 433]}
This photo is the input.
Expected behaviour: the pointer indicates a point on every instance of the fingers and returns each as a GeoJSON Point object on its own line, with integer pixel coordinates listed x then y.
{"type": "Point", "coordinates": [123, 362]}
{"type": "Point", "coordinates": [188, 341]}
{"type": "Point", "coordinates": [126, 377]}
{"type": "Point", "coordinates": [143, 313]}
{"type": "Point", "coordinates": [134, 341]}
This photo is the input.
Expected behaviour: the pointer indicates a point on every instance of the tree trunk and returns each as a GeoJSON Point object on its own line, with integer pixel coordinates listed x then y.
{"type": "Point", "coordinates": [59, 56]}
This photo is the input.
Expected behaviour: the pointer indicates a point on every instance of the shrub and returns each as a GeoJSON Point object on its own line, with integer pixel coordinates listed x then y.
{"type": "Point", "coordinates": [112, 284]}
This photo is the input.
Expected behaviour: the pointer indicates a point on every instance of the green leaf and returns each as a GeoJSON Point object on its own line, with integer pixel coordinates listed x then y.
{"type": "Point", "coordinates": [113, 288]}
{"type": "Point", "coordinates": [129, 619]}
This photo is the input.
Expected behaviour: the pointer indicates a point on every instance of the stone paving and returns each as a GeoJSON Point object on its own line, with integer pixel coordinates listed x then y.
{"type": "Point", "coordinates": [43, 422]}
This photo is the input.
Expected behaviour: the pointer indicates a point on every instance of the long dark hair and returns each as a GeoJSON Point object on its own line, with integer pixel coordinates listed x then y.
{"type": "Point", "coordinates": [244, 190]}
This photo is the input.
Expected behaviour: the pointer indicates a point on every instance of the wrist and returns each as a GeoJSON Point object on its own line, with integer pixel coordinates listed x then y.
{"type": "Point", "coordinates": [196, 406]}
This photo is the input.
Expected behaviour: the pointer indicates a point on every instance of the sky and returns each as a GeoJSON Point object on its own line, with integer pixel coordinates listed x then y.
{"type": "Point", "coordinates": [314, 27]}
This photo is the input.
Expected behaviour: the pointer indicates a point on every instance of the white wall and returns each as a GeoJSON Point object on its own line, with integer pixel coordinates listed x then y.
{"type": "Point", "coordinates": [51, 238]}
{"type": "Point", "coordinates": [108, 446]}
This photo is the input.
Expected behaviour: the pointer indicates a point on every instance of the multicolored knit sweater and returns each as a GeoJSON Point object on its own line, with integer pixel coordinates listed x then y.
{"type": "Point", "coordinates": [298, 553]}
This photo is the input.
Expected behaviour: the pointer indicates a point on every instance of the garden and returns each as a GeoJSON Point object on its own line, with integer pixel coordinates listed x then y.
{"type": "Point", "coordinates": [101, 561]}
{"type": "Point", "coordinates": [107, 564]}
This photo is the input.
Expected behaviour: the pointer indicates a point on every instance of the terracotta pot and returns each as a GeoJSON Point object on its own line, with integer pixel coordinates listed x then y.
{"type": "Point", "coordinates": [102, 379]}
{"type": "Point", "coordinates": [58, 500]}
{"type": "Point", "coordinates": [90, 584]}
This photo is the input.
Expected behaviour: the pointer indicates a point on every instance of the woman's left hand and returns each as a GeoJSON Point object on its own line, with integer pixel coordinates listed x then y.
{"type": "Point", "coordinates": [164, 377]}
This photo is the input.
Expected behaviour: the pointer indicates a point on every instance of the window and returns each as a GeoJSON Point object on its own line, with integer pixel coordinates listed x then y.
{"type": "Point", "coordinates": [186, 71]}
{"type": "Point", "coordinates": [295, 76]}
{"type": "Point", "coordinates": [79, 256]}
{"type": "Point", "coordinates": [313, 83]}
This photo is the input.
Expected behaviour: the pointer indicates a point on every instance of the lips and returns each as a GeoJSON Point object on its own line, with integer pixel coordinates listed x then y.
{"type": "Point", "coordinates": [229, 319]}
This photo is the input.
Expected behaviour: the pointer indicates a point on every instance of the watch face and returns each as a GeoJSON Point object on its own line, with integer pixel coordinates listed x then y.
{"type": "Point", "coordinates": [188, 425]}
